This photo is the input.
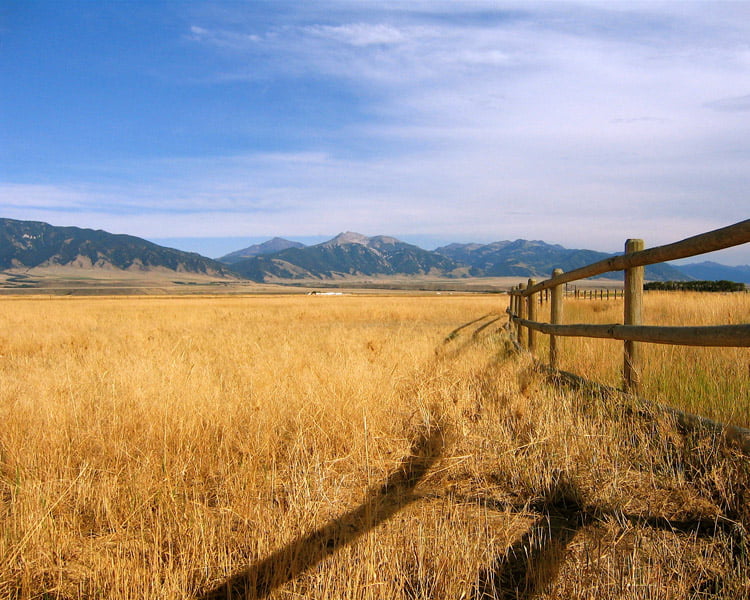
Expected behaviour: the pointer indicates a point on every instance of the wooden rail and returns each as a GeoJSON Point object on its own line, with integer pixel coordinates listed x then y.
{"type": "Point", "coordinates": [737, 336]}
{"type": "Point", "coordinates": [719, 239]}
{"type": "Point", "coordinates": [522, 309]}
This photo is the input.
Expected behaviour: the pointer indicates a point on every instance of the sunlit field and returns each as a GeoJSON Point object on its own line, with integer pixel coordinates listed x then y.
{"type": "Point", "coordinates": [712, 382]}
{"type": "Point", "coordinates": [346, 447]}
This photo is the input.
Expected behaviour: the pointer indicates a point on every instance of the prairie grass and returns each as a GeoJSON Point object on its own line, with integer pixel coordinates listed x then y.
{"type": "Point", "coordinates": [712, 382]}
{"type": "Point", "coordinates": [337, 447]}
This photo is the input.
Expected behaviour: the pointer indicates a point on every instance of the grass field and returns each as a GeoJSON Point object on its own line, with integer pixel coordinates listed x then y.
{"type": "Point", "coordinates": [712, 382]}
{"type": "Point", "coordinates": [338, 447]}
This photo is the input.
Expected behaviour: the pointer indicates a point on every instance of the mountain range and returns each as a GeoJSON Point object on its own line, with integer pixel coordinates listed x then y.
{"type": "Point", "coordinates": [29, 244]}
{"type": "Point", "coordinates": [348, 254]}
{"type": "Point", "coordinates": [277, 244]}
{"type": "Point", "coordinates": [352, 254]}
{"type": "Point", "coordinates": [524, 258]}
{"type": "Point", "coordinates": [711, 271]}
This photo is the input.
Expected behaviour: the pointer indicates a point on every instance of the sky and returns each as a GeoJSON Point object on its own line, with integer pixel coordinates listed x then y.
{"type": "Point", "coordinates": [212, 125]}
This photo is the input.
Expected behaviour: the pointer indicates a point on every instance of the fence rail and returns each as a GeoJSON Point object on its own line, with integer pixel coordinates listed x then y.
{"type": "Point", "coordinates": [719, 239]}
{"type": "Point", "coordinates": [523, 303]}
{"type": "Point", "coordinates": [715, 335]}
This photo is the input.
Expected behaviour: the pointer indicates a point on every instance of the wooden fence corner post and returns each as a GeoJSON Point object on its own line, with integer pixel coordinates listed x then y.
{"type": "Point", "coordinates": [521, 338]}
{"type": "Point", "coordinates": [556, 311]}
{"type": "Point", "coordinates": [633, 316]}
{"type": "Point", "coordinates": [531, 311]}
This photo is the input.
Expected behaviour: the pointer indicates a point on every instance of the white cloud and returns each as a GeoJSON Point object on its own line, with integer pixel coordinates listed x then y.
{"type": "Point", "coordinates": [21, 197]}
{"type": "Point", "coordinates": [359, 34]}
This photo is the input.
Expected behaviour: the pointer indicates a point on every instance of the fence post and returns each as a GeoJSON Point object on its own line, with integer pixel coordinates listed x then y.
{"type": "Point", "coordinates": [521, 314]}
{"type": "Point", "coordinates": [633, 316]}
{"type": "Point", "coordinates": [532, 316]}
{"type": "Point", "coordinates": [556, 310]}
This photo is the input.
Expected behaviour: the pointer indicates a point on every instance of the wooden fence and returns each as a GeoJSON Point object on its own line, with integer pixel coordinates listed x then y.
{"type": "Point", "coordinates": [525, 298]}
{"type": "Point", "coordinates": [584, 293]}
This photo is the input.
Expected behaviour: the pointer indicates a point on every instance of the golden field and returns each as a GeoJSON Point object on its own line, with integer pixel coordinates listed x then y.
{"type": "Point", "coordinates": [712, 382]}
{"type": "Point", "coordinates": [340, 447]}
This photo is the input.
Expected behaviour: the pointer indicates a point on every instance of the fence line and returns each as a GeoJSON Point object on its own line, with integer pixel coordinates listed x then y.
{"type": "Point", "coordinates": [584, 294]}
{"type": "Point", "coordinates": [522, 309]}
{"type": "Point", "coordinates": [733, 336]}
{"type": "Point", "coordinates": [719, 239]}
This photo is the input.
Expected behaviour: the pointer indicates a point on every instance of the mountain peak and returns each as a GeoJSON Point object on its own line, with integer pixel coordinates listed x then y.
{"type": "Point", "coordinates": [348, 237]}
{"type": "Point", "coordinates": [272, 246]}
{"type": "Point", "coordinates": [386, 239]}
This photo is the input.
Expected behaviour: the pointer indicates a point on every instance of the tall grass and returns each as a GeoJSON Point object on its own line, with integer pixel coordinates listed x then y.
{"type": "Point", "coordinates": [334, 447]}
{"type": "Point", "coordinates": [712, 382]}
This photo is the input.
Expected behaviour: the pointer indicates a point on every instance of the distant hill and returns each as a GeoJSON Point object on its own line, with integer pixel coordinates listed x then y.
{"type": "Point", "coordinates": [711, 271]}
{"type": "Point", "coordinates": [30, 244]}
{"type": "Point", "coordinates": [525, 258]}
{"type": "Point", "coordinates": [348, 254]}
{"type": "Point", "coordinates": [277, 244]}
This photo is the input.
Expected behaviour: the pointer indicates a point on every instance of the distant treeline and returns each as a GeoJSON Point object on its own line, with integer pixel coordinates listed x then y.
{"type": "Point", "coordinates": [696, 286]}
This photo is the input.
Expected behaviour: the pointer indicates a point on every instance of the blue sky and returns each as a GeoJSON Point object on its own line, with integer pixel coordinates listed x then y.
{"type": "Point", "coordinates": [212, 125]}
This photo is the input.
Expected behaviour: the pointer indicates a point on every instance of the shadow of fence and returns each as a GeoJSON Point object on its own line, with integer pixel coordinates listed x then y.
{"type": "Point", "coordinates": [530, 566]}
{"type": "Point", "coordinates": [302, 554]}
{"type": "Point", "coordinates": [523, 571]}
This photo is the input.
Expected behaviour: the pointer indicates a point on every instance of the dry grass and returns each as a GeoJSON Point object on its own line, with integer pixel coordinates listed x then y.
{"type": "Point", "coordinates": [712, 382]}
{"type": "Point", "coordinates": [337, 447]}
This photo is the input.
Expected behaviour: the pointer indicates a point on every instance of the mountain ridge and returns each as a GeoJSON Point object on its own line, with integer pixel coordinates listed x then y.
{"type": "Point", "coordinates": [345, 255]}
{"type": "Point", "coordinates": [35, 244]}
{"type": "Point", "coordinates": [353, 254]}
{"type": "Point", "coordinates": [536, 258]}
{"type": "Point", "coordinates": [271, 246]}
{"type": "Point", "coordinates": [26, 245]}
{"type": "Point", "coordinates": [713, 271]}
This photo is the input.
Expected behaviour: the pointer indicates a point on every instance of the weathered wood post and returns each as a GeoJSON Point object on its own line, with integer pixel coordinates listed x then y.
{"type": "Point", "coordinates": [521, 314]}
{"type": "Point", "coordinates": [532, 316]}
{"type": "Point", "coordinates": [633, 316]}
{"type": "Point", "coordinates": [556, 311]}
